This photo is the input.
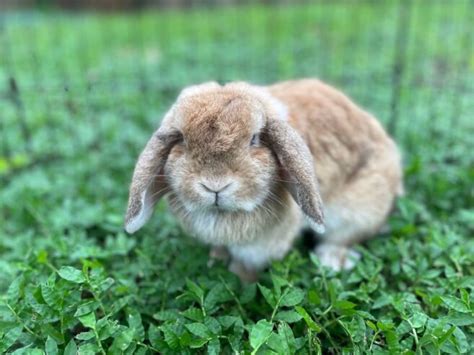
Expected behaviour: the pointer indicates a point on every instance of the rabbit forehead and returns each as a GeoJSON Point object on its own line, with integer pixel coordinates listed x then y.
{"type": "Point", "coordinates": [219, 119]}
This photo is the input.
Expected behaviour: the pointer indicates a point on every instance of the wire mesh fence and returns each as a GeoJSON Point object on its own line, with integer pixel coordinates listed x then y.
{"type": "Point", "coordinates": [72, 82]}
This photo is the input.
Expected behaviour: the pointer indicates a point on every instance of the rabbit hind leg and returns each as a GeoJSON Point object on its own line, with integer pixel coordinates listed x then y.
{"type": "Point", "coordinates": [355, 215]}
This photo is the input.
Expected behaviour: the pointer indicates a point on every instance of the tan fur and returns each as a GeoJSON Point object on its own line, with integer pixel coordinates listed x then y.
{"type": "Point", "coordinates": [310, 132]}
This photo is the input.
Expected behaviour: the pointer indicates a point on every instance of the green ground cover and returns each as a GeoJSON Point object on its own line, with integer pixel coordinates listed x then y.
{"type": "Point", "coordinates": [89, 89]}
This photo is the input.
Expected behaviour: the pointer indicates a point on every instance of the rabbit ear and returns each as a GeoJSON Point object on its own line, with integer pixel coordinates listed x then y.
{"type": "Point", "coordinates": [148, 184]}
{"type": "Point", "coordinates": [297, 163]}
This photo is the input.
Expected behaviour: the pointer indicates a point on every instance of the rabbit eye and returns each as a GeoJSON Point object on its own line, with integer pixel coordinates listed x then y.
{"type": "Point", "coordinates": [179, 139]}
{"type": "Point", "coordinates": [172, 138]}
{"type": "Point", "coordinates": [255, 140]}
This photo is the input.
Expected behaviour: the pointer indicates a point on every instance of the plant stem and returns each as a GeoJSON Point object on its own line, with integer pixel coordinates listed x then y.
{"type": "Point", "coordinates": [28, 329]}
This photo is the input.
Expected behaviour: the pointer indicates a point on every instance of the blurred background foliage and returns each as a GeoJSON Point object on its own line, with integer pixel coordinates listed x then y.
{"type": "Point", "coordinates": [83, 84]}
{"type": "Point", "coordinates": [394, 57]}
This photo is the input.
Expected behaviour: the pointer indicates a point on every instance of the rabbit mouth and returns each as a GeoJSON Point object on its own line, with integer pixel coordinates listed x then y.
{"type": "Point", "coordinates": [219, 208]}
{"type": "Point", "coordinates": [222, 208]}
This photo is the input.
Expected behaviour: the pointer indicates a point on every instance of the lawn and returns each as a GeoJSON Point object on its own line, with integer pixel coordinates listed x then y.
{"type": "Point", "coordinates": [81, 93]}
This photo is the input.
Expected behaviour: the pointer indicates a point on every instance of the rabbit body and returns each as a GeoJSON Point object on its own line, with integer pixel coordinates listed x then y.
{"type": "Point", "coordinates": [322, 161]}
{"type": "Point", "coordinates": [357, 164]}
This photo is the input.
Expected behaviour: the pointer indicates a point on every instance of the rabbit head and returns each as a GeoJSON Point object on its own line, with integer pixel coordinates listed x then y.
{"type": "Point", "coordinates": [222, 150]}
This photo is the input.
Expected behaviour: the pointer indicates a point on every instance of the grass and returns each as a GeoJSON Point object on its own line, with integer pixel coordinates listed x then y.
{"type": "Point", "coordinates": [89, 89]}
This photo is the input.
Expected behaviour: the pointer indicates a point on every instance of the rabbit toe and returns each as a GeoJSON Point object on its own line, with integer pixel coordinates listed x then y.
{"type": "Point", "coordinates": [337, 257]}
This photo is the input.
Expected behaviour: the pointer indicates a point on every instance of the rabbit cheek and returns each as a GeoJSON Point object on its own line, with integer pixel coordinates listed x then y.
{"type": "Point", "coordinates": [178, 175]}
{"type": "Point", "coordinates": [256, 178]}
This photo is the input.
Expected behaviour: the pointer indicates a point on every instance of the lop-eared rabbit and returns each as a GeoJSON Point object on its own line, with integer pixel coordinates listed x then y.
{"type": "Point", "coordinates": [245, 168]}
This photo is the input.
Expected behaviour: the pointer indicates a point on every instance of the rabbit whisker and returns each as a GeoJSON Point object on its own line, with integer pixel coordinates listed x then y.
{"type": "Point", "coordinates": [273, 197]}
{"type": "Point", "coordinates": [161, 191]}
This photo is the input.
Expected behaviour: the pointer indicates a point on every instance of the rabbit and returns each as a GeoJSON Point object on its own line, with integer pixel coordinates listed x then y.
{"type": "Point", "coordinates": [246, 167]}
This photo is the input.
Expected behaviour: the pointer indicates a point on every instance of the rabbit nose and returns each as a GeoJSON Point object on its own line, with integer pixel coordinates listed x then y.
{"type": "Point", "coordinates": [215, 187]}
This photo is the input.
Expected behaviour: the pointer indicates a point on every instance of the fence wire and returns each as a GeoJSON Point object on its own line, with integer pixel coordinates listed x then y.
{"type": "Point", "coordinates": [72, 82]}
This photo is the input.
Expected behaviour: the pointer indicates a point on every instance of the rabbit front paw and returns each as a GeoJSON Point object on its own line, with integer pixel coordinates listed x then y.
{"type": "Point", "coordinates": [218, 253]}
{"type": "Point", "coordinates": [245, 274]}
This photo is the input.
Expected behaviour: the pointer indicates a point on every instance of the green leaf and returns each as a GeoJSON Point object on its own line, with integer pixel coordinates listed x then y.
{"type": "Point", "coordinates": [11, 337]}
{"type": "Point", "coordinates": [382, 301]}
{"type": "Point", "coordinates": [107, 328]}
{"type": "Point", "coordinates": [278, 283]}
{"type": "Point", "coordinates": [106, 284]}
{"type": "Point", "coordinates": [213, 325]}
{"type": "Point", "coordinates": [455, 304]}
{"type": "Point", "coordinates": [268, 295]}
{"type": "Point", "coordinates": [418, 319]}
{"type": "Point", "coordinates": [461, 341]}
{"type": "Point", "coordinates": [277, 343]}
{"type": "Point", "coordinates": [392, 341]}
{"type": "Point", "coordinates": [365, 315]}
{"type": "Point", "coordinates": [13, 292]}
{"type": "Point", "coordinates": [446, 335]}
{"type": "Point", "coordinates": [195, 289]}
{"type": "Point", "coordinates": [467, 281]}
{"type": "Point", "coordinates": [259, 333]}
{"type": "Point", "coordinates": [7, 319]}
{"type": "Point", "coordinates": [119, 304]}
{"type": "Point", "coordinates": [135, 323]}
{"type": "Point", "coordinates": [51, 296]}
{"type": "Point", "coordinates": [314, 298]}
{"type": "Point", "coordinates": [124, 339]}
{"type": "Point", "coordinates": [308, 320]}
{"type": "Point", "coordinates": [214, 347]}
{"type": "Point", "coordinates": [197, 343]}
{"type": "Point", "coordinates": [71, 348]}
{"type": "Point", "coordinates": [170, 336]}
{"type": "Point", "coordinates": [88, 320]}
{"type": "Point", "coordinates": [288, 316]}
{"type": "Point", "coordinates": [357, 328]}
{"type": "Point", "coordinates": [42, 257]}
{"type": "Point", "coordinates": [292, 298]}
{"type": "Point", "coordinates": [198, 329]}
{"type": "Point", "coordinates": [285, 332]}
{"type": "Point", "coordinates": [385, 324]}
{"type": "Point", "coordinates": [465, 296]}
{"type": "Point", "coordinates": [51, 347]}
{"type": "Point", "coordinates": [227, 321]}
{"type": "Point", "coordinates": [194, 314]}
{"type": "Point", "coordinates": [371, 325]}
{"type": "Point", "coordinates": [86, 307]}
{"type": "Point", "coordinates": [89, 349]}
{"type": "Point", "coordinates": [28, 350]}
{"type": "Point", "coordinates": [343, 305]}
{"type": "Point", "coordinates": [154, 336]}
{"type": "Point", "coordinates": [248, 294]}
{"type": "Point", "coordinates": [168, 314]}
{"type": "Point", "coordinates": [71, 274]}
{"type": "Point", "coordinates": [86, 335]}
{"type": "Point", "coordinates": [218, 294]}
{"type": "Point", "coordinates": [235, 340]}
{"type": "Point", "coordinates": [459, 319]}
{"type": "Point", "coordinates": [53, 332]}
